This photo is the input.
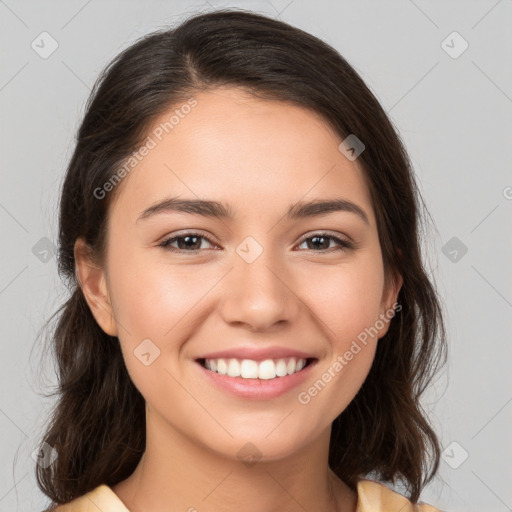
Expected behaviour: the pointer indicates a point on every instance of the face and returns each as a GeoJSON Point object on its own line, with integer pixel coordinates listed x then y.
{"type": "Point", "coordinates": [256, 291]}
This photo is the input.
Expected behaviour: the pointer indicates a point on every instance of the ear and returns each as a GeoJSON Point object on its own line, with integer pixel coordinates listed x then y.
{"type": "Point", "coordinates": [389, 299]}
{"type": "Point", "coordinates": [92, 280]}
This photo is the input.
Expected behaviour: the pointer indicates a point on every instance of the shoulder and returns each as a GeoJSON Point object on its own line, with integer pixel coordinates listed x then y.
{"type": "Point", "coordinates": [100, 498]}
{"type": "Point", "coordinates": [371, 497]}
{"type": "Point", "coordinates": [376, 497]}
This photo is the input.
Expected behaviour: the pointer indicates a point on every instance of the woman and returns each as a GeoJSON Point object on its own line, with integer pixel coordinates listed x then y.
{"type": "Point", "coordinates": [250, 324]}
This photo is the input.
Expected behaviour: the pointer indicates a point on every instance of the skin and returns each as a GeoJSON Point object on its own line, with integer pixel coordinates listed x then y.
{"type": "Point", "coordinates": [259, 156]}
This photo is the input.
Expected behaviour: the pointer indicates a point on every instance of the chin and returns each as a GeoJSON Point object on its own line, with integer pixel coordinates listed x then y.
{"type": "Point", "coordinates": [257, 445]}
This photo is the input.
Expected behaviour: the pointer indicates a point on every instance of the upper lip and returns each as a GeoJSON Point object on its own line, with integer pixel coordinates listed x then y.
{"type": "Point", "coordinates": [257, 354]}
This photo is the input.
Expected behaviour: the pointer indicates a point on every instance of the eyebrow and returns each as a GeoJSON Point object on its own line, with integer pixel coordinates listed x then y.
{"type": "Point", "coordinates": [214, 209]}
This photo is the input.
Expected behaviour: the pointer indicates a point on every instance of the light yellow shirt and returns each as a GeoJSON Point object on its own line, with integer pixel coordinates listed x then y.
{"type": "Point", "coordinates": [371, 497]}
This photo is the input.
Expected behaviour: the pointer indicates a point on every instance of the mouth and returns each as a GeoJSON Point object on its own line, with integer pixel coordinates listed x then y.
{"type": "Point", "coordinates": [256, 379]}
{"type": "Point", "coordinates": [250, 369]}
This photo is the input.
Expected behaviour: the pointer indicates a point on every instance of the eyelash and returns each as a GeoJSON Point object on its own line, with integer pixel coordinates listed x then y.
{"type": "Point", "coordinates": [344, 244]}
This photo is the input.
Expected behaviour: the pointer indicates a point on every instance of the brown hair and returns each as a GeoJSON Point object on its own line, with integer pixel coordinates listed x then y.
{"type": "Point", "coordinates": [98, 425]}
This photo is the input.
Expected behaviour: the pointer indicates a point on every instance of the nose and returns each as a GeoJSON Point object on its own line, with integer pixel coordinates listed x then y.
{"type": "Point", "coordinates": [260, 295]}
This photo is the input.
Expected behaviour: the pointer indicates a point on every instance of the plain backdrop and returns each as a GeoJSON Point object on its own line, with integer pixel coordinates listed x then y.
{"type": "Point", "coordinates": [442, 71]}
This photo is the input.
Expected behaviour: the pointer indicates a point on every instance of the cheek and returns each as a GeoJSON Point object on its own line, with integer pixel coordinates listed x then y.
{"type": "Point", "coordinates": [156, 300]}
{"type": "Point", "coordinates": [149, 293]}
{"type": "Point", "coordinates": [348, 300]}
{"type": "Point", "coordinates": [338, 379]}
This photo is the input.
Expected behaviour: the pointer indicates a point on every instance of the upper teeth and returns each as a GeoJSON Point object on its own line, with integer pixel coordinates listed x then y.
{"type": "Point", "coordinates": [250, 369]}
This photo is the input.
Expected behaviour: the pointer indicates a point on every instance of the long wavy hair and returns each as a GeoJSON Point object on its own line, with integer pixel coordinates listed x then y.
{"type": "Point", "coordinates": [97, 426]}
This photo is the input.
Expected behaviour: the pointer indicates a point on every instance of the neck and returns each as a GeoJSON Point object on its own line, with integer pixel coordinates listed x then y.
{"type": "Point", "coordinates": [176, 473]}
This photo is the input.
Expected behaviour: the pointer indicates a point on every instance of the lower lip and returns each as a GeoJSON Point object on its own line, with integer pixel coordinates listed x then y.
{"type": "Point", "coordinates": [262, 389]}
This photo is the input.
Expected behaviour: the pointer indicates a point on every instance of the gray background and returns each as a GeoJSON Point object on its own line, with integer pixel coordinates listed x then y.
{"type": "Point", "coordinates": [454, 115]}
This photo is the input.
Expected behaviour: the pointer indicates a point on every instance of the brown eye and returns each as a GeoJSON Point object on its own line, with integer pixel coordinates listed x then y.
{"type": "Point", "coordinates": [188, 242]}
{"type": "Point", "coordinates": [320, 242]}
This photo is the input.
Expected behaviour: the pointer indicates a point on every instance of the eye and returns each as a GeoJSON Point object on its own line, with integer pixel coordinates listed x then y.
{"type": "Point", "coordinates": [322, 241]}
{"type": "Point", "coordinates": [185, 242]}
{"type": "Point", "coordinates": [191, 242]}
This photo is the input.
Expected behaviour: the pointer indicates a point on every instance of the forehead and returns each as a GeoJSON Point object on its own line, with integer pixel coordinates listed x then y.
{"type": "Point", "coordinates": [227, 145]}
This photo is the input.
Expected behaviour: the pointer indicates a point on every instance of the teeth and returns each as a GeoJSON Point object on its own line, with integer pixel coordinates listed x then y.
{"type": "Point", "coordinates": [222, 367]}
{"type": "Point", "coordinates": [291, 366]}
{"type": "Point", "coordinates": [250, 369]}
{"type": "Point", "coordinates": [281, 368]}
{"type": "Point", "coordinates": [233, 368]}
{"type": "Point", "coordinates": [267, 370]}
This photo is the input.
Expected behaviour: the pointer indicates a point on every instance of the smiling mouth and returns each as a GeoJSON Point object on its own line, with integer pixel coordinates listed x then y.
{"type": "Point", "coordinates": [251, 369]}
